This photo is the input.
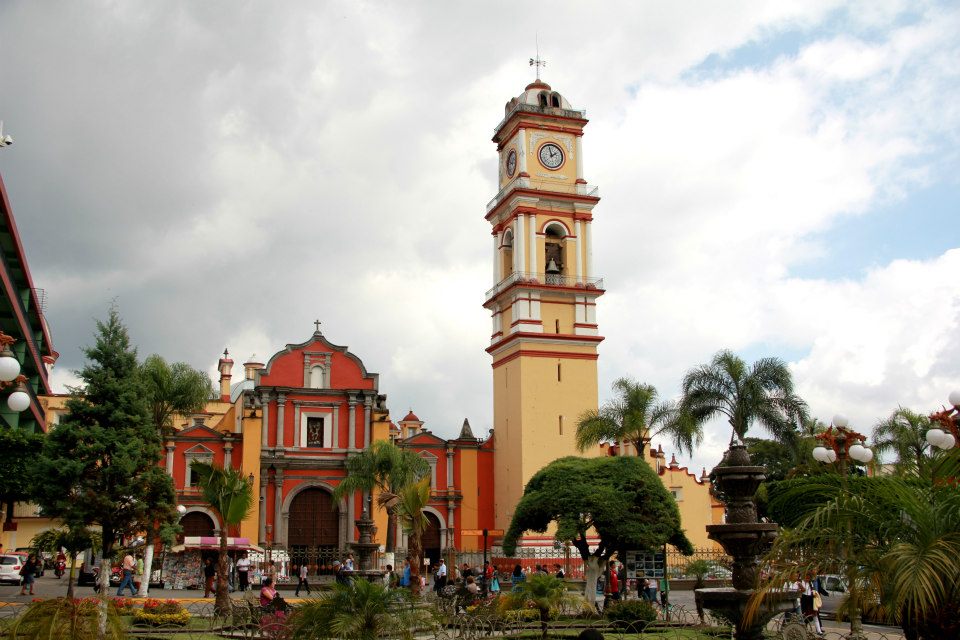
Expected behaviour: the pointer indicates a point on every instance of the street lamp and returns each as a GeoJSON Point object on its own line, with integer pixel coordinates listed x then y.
{"type": "Point", "coordinates": [10, 374]}
{"type": "Point", "coordinates": [181, 509]}
{"type": "Point", "coordinates": [839, 443]}
{"type": "Point", "coordinates": [947, 434]}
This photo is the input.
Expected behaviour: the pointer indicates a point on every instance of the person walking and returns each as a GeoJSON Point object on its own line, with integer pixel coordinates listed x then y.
{"type": "Point", "coordinates": [243, 572]}
{"type": "Point", "coordinates": [405, 576]}
{"type": "Point", "coordinates": [302, 582]}
{"type": "Point", "coordinates": [28, 574]}
{"type": "Point", "coordinates": [807, 608]}
{"type": "Point", "coordinates": [209, 571]}
{"type": "Point", "coordinates": [129, 566]}
{"type": "Point", "coordinates": [138, 580]}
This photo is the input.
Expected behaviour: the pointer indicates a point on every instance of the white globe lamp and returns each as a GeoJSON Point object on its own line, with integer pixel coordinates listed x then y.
{"type": "Point", "coordinates": [955, 398]}
{"type": "Point", "coordinates": [181, 509]}
{"type": "Point", "coordinates": [9, 366]}
{"type": "Point", "coordinates": [820, 454]}
{"type": "Point", "coordinates": [841, 421]}
{"type": "Point", "coordinates": [18, 401]}
{"type": "Point", "coordinates": [947, 441]}
{"type": "Point", "coordinates": [935, 437]}
{"type": "Point", "coordinates": [831, 456]}
{"type": "Point", "coordinates": [857, 452]}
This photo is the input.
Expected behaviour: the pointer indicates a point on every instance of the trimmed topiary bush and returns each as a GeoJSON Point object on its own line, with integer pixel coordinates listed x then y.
{"type": "Point", "coordinates": [632, 615]}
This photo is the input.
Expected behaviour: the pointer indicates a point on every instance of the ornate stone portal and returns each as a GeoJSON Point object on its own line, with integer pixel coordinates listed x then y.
{"type": "Point", "coordinates": [745, 539]}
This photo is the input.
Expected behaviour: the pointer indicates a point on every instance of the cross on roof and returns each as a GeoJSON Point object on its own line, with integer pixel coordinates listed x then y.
{"type": "Point", "coordinates": [317, 325]}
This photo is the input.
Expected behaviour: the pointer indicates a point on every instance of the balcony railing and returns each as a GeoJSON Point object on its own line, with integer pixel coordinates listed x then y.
{"type": "Point", "coordinates": [549, 279]}
{"type": "Point", "coordinates": [542, 185]}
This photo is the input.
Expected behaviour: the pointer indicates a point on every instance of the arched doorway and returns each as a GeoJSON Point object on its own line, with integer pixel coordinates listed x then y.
{"type": "Point", "coordinates": [431, 540]}
{"type": "Point", "coordinates": [197, 523]}
{"type": "Point", "coordinates": [313, 530]}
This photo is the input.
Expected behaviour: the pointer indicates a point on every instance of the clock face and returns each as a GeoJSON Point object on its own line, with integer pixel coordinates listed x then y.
{"type": "Point", "coordinates": [551, 156]}
{"type": "Point", "coordinates": [511, 163]}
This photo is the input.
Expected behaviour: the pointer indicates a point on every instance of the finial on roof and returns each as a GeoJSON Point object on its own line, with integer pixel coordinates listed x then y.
{"type": "Point", "coordinates": [316, 323]}
{"type": "Point", "coordinates": [226, 354]}
{"type": "Point", "coordinates": [673, 461]}
{"type": "Point", "coordinates": [466, 432]}
{"type": "Point", "coordinates": [538, 61]}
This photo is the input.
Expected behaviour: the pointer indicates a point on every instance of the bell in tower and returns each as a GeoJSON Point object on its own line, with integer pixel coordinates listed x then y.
{"type": "Point", "coordinates": [552, 268]}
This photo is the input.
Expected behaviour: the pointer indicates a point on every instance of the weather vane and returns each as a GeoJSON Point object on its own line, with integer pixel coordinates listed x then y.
{"type": "Point", "coordinates": [538, 62]}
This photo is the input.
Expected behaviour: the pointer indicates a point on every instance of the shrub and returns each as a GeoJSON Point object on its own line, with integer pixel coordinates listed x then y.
{"type": "Point", "coordinates": [65, 618]}
{"type": "Point", "coordinates": [521, 615]}
{"type": "Point", "coordinates": [633, 615]}
{"type": "Point", "coordinates": [181, 618]}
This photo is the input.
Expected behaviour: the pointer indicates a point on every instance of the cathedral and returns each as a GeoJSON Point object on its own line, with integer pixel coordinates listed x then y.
{"type": "Point", "coordinates": [292, 422]}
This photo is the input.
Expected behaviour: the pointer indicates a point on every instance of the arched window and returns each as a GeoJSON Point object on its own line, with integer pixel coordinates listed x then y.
{"type": "Point", "coordinates": [542, 98]}
{"type": "Point", "coordinates": [506, 253]}
{"type": "Point", "coordinates": [555, 100]}
{"type": "Point", "coordinates": [553, 259]}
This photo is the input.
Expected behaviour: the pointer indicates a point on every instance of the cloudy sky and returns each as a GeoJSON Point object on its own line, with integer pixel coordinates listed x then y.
{"type": "Point", "coordinates": [778, 178]}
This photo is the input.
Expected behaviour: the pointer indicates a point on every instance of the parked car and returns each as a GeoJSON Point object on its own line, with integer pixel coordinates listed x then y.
{"type": "Point", "coordinates": [10, 565]}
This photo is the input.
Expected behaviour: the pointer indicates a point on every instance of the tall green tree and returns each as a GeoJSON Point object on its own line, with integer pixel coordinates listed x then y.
{"type": "Point", "coordinates": [388, 469]}
{"type": "Point", "coordinates": [230, 494]}
{"type": "Point", "coordinates": [173, 389]}
{"type": "Point", "coordinates": [100, 466]}
{"type": "Point", "coordinates": [634, 415]}
{"type": "Point", "coordinates": [618, 498]}
{"type": "Point", "coordinates": [18, 451]}
{"type": "Point", "coordinates": [904, 433]}
{"type": "Point", "coordinates": [411, 501]}
{"type": "Point", "coordinates": [762, 393]}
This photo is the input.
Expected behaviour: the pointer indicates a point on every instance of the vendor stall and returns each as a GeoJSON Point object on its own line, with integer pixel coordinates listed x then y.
{"type": "Point", "coordinates": [183, 563]}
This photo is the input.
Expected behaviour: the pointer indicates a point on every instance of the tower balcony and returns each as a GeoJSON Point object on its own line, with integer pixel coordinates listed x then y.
{"type": "Point", "coordinates": [547, 280]}
{"type": "Point", "coordinates": [520, 182]}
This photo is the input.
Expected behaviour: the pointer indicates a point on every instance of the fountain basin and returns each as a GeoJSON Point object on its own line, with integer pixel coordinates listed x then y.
{"type": "Point", "coordinates": [731, 603]}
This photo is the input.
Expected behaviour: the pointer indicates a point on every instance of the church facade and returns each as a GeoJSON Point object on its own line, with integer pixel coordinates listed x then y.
{"type": "Point", "coordinates": [292, 423]}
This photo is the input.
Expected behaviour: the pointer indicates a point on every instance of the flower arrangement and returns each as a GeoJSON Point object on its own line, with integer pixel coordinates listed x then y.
{"type": "Point", "coordinates": [155, 606]}
{"type": "Point", "coordinates": [124, 606]}
{"type": "Point", "coordinates": [181, 618]}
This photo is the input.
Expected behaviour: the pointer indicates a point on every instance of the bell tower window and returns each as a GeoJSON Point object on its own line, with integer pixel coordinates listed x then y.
{"type": "Point", "coordinates": [506, 253]}
{"type": "Point", "coordinates": [553, 253]}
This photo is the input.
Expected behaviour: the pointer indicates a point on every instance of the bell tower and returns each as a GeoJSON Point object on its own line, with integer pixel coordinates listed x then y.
{"type": "Point", "coordinates": [543, 300]}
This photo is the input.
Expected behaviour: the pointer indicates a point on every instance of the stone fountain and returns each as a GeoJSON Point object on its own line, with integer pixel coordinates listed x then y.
{"type": "Point", "coordinates": [745, 539]}
{"type": "Point", "coordinates": [365, 546]}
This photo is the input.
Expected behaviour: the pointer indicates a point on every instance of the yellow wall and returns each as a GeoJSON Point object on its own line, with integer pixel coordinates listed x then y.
{"type": "Point", "coordinates": [250, 527]}
{"type": "Point", "coordinates": [469, 513]}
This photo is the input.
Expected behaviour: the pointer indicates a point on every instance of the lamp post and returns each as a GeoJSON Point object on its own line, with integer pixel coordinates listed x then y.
{"type": "Point", "coordinates": [10, 374]}
{"type": "Point", "coordinates": [840, 444]}
{"type": "Point", "coordinates": [947, 434]}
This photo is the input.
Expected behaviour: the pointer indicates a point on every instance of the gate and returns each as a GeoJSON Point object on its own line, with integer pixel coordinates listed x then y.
{"type": "Point", "coordinates": [313, 531]}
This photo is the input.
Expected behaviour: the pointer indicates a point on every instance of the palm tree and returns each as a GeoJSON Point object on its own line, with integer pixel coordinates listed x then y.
{"type": "Point", "coordinates": [635, 416]}
{"type": "Point", "coordinates": [905, 434]}
{"type": "Point", "coordinates": [545, 592]}
{"type": "Point", "coordinates": [386, 468]}
{"type": "Point", "coordinates": [73, 539]}
{"type": "Point", "coordinates": [171, 389]}
{"type": "Point", "coordinates": [362, 611]}
{"type": "Point", "coordinates": [908, 561]}
{"type": "Point", "coordinates": [410, 504]}
{"type": "Point", "coordinates": [230, 494]}
{"type": "Point", "coordinates": [760, 393]}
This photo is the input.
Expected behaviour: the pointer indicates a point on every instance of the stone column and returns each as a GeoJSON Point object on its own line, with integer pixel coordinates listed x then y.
{"type": "Point", "coordinates": [532, 245]}
{"type": "Point", "coordinates": [263, 509]}
{"type": "Point", "coordinates": [518, 245]}
{"type": "Point", "coordinates": [170, 449]}
{"type": "Point", "coordinates": [579, 158]}
{"type": "Point", "coordinates": [578, 250]}
{"type": "Point", "coordinates": [264, 418]}
{"type": "Point", "coordinates": [522, 143]}
{"type": "Point", "coordinates": [344, 534]}
{"type": "Point", "coordinates": [281, 404]}
{"type": "Point", "coordinates": [352, 428]}
{"type": "Point", "coordinates": [496, 259]}
{"type": "Point", "coordinates": [367, 411]}
{"type": "Point", "coordinates": [351, 515]}
{"type": "Point", "coordinates": [277, 502]}
{"type": "Point", "coordinates": [227, 454]}
{"type": "Point", "coordinates": [449, 468]}
{"type": "Point", "coordinates": [588, 238]}
{"type": "Point", "coordinates": [336, 426]}
{"type": "Point", "coordinates": [296, 424]}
